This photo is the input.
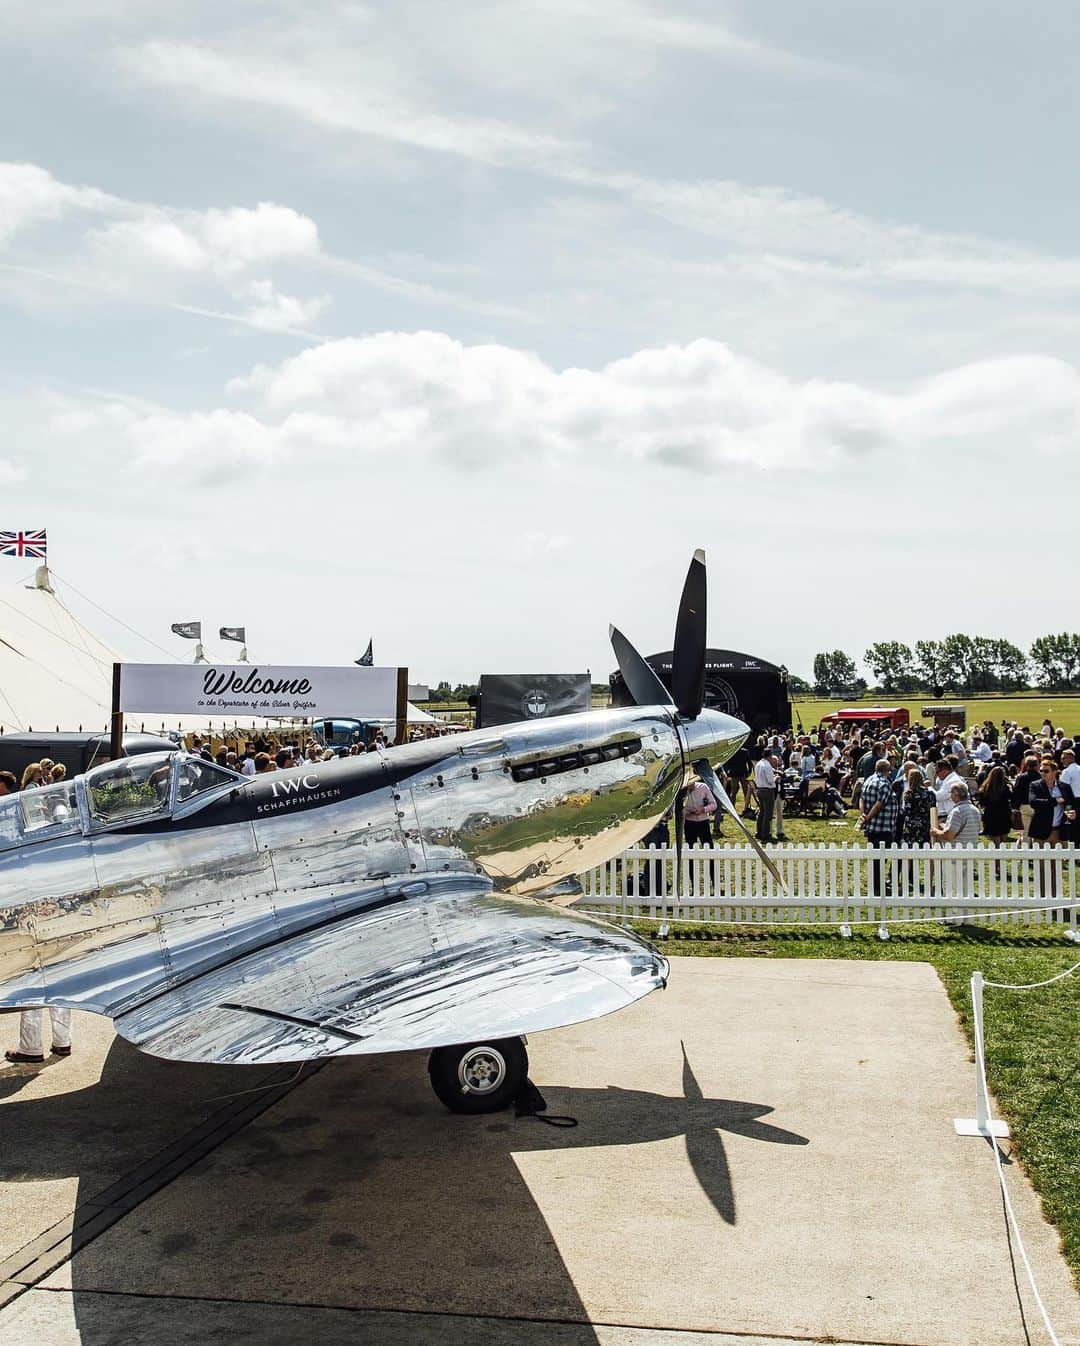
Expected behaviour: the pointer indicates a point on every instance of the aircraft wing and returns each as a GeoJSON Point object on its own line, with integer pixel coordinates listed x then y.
{"type": "Point", "coordinates": [444, 961]}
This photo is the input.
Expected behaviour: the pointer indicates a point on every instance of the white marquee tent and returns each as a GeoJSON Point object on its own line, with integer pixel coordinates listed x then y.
{"type": "Point", "coordinates": [55, 673]}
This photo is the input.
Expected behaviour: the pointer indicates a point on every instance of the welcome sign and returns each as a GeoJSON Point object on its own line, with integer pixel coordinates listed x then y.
{"type": "Point", "coordinates": [228, 690]}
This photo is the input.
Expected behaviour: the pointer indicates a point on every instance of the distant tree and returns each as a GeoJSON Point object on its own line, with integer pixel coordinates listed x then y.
{"type": "Point", "coordinates": [955, 662]}
{"type": "Point", "coordinates": [1069, 656]}
{"type": "Point", "coordinates": [835, 674]}
{"type": "Point", "coordinates": [982, 669]}
{"type": "Point", "coordinates": [1057, 659]}
{"type": "Point", "coordinates": [1011, 666]}
{"type": "Point", "coordinates": [1044, 655]}
{"type": "Point", "coordinates": [891, 663]}
{"type": "Point", "coordinates": [928, 664]}
{"type": "Point", "coordinates": [442, 692]}
{"type": "Point", "coordinates": [464, 690]}
{"type": "Point", "coordinates": [798, 686]}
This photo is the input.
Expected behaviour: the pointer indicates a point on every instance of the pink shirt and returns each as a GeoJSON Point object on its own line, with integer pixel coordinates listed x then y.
{"type": "Point", "coordinates": [700, 803]}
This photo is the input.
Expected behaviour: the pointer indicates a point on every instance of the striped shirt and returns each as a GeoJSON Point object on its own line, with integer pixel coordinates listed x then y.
{"type": "Point", "coordinates": [965, 821]}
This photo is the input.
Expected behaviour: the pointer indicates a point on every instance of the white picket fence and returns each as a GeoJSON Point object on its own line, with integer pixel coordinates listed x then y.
{"type": "Point", "coordinates": [835, 885]}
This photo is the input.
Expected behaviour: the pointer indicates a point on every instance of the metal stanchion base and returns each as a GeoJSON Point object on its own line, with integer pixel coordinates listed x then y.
{"type": "Point", "coordinates": [971, 1126]}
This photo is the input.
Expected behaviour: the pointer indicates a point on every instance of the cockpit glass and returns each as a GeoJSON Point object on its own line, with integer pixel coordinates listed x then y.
{"type": "Point", "coordinates": [50, 806]}
{"type": "Point", "coordinates": [130, 787]}
{"type": "Point", "coordinates": [9, 821]}
{"type": "Point", "coordinates": [197, 776]}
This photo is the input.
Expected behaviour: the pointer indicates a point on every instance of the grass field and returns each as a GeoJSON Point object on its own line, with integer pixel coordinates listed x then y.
{"type": "Point", "coordinates": [1032, 1037]}
{"type": "Point", "coordinates": [1029, 709]}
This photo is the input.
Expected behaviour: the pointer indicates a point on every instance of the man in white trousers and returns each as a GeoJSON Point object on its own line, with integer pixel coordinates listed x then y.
{"type": "Point", "coordinates": [31, 1049]}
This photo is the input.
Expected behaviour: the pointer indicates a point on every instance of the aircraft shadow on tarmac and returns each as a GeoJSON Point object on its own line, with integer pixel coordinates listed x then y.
{"type": "Point", "coordinates": [358, 1174]}
{"type": "Point", "coordinates": [634, 1117]}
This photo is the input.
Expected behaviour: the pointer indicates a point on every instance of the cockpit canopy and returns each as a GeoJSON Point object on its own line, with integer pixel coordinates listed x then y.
{"type": "Point", "coordinates": [130, 789]}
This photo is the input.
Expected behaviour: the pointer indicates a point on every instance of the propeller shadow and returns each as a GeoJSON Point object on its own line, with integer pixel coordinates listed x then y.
{"type": "Point", "coordinates": [635, 1117]}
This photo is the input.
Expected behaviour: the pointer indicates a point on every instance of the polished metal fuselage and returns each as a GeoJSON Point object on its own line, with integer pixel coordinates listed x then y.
{"type": "Point", "coordinates": [108, 917]}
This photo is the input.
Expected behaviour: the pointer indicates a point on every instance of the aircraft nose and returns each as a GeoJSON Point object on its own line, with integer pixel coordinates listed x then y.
{"type": "Point", "coordinates": [713, 735]}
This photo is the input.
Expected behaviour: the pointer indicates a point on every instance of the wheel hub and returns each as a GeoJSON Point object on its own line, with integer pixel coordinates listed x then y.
{"type": "Point", "coordinates": [481, 1070]}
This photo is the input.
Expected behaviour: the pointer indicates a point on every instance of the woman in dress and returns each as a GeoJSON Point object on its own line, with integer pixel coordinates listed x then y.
{"type": "Point", "coordinates": [996, 806]}
{"type": "Point", "coordinates": [917, 803]}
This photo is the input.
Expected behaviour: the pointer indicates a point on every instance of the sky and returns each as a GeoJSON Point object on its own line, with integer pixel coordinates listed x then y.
{"type": "Point", "coordinates": [461, 326]}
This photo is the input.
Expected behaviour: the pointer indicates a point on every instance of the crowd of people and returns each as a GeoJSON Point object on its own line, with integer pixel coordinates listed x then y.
{"type": "Point", "coordinates": [913, 785]}
{"type": "Point", "coordinates": [272, 753]}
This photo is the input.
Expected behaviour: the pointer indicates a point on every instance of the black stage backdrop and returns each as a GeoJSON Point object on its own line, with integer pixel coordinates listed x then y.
{"type": "Point", "coordinates": [738, 684]}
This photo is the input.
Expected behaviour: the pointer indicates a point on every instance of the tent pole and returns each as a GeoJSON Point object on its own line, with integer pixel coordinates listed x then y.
{"type": "Point", "coordinates": [402, 705]}
{"type": "Point", "coordinates": [116, 742]}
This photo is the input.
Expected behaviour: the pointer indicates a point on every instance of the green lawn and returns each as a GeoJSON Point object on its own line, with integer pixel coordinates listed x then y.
{"type": "Point", "coordinates": [1032, 1037]}
{"type": "Point", "coordinates": [1028, 709]}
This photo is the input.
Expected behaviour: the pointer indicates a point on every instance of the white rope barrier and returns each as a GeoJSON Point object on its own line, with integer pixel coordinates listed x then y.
{"type": "Point", "coordinates": [966, 915]}
{"type": "Point", "coordinates": [1032, 985]}
{"type": "Point", "coordinates": [984, 1126]}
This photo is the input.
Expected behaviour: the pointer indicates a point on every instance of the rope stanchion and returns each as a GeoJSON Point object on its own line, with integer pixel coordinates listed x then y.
{"type": "Point", "coordinates": [983, 1125]}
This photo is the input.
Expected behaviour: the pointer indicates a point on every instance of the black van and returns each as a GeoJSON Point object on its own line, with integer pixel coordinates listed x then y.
{"type": "Point", "coordinates": [78, 752]}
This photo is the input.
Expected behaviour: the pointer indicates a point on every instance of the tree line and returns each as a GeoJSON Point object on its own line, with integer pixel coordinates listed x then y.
{"type": "Point", "coordinates": [957, 664]}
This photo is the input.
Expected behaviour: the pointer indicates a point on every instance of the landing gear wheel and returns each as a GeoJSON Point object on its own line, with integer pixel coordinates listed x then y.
{"type": "Point", "coordinates": [479, 1076]}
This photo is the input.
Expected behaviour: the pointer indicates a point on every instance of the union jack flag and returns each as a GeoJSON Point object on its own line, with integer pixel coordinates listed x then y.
{"type": "Point", "coordinates": [30, 544]}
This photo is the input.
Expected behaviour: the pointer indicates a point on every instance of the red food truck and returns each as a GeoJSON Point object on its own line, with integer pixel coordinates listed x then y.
{"type": "Point", "coordinates": [885, 717]}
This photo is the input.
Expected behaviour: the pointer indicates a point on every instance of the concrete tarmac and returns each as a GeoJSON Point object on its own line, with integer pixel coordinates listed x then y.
{"type": "Point", "coordinates": [764, 1152]}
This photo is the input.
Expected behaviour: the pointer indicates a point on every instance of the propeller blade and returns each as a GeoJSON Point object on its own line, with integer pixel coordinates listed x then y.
{"type": "Point", "coordinates": [709, 776]}
{"type": "Point", "coordinates": [688, 659]}
{"type": "Point", "coordinates": [641, 682]}
{"type": "Point", "coordinates": [679, 809]}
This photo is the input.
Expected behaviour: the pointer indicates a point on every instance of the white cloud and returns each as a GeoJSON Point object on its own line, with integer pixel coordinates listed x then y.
{"type": "Point", "coordinates": [787, 230]}
{"type": "Point", "coordinates": [400, 396]}
{"type": "Point", "coordinates": [275, 312]}
{"type": "Point", "coordinates": [173, 256]}
{"type": "Point", "coordinates": [184, 258]}
{"type": "Point", "coordinates": [240, 237]}
{"type": "Point", "coordinates": [222, 243]}
{"type": "Point", "coordinates": [153, 240]}
{"type": "Point", "coordinates": [194, 448]}
{"type": "Point", "coordinates": [659, 26]}
{"type": "Point", "coordinates": [30, 195]}
{"type": "Point", "coordinates": [354, 104]}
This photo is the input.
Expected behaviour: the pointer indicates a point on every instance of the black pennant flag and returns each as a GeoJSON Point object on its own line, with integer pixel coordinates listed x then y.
{"type": "Point", "coordinates": [367, 659]}
{"type": "Point", "coordinates": [189, 630]}
{"type": "Point", "coordinates": [237, 633]}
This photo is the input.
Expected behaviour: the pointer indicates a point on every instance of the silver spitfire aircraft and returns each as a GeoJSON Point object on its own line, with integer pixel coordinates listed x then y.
{"type": "Point", "coordinates": [373, 904]}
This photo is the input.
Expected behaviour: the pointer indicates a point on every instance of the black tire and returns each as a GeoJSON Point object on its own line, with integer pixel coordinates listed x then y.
{"type": "Point", "coordinates": [479, 1077]}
